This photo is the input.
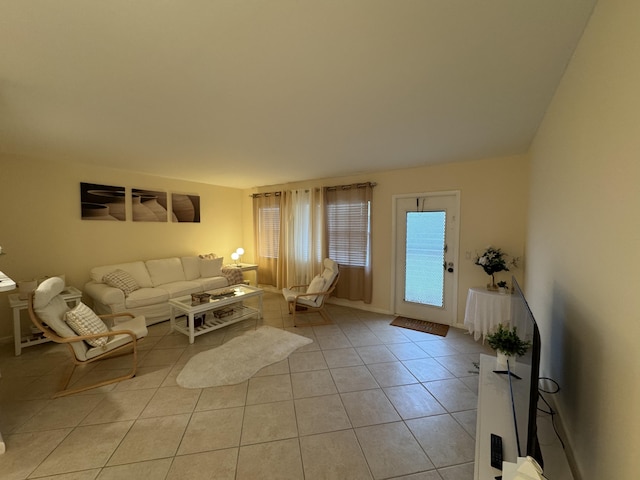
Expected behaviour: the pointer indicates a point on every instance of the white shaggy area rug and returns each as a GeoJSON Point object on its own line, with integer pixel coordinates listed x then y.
{"type": "Point", "coordinates": [240, 358]}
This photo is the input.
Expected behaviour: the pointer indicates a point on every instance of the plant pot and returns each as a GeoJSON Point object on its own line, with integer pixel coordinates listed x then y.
{"type": "Point", "coordinates": [502, 360]}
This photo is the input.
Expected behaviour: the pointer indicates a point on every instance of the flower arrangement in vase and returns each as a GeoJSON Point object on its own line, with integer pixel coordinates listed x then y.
{"type": "Point", "coordinates": [494, 260]}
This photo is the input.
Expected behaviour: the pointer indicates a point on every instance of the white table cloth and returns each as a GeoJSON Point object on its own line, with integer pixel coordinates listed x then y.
{"type": "Point", "coordinates": [485, 310]}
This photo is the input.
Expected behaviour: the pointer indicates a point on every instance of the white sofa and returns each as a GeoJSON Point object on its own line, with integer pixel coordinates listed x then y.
{"type": "Point", "coordinates": [150, 284]}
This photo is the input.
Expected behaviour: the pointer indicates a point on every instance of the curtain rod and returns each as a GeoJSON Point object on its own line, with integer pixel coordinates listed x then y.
{"type": "Point", "coordinates": [268, 194]}
{"type": "Point", "coordinates": [356, 185]}
{"type": "Point", "coordinates": [335, 187]}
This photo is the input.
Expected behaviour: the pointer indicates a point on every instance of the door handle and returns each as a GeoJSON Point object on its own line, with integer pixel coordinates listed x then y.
{"type": "Point", "coordinates": [450, 267]}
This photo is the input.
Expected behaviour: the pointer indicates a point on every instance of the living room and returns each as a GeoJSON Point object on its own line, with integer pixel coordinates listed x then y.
{"type": "Point", "coordinates": [557, 205]}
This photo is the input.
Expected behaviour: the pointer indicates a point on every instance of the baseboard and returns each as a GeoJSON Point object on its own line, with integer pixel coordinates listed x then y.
{"type": "Point", "coordinates": [559, 462]}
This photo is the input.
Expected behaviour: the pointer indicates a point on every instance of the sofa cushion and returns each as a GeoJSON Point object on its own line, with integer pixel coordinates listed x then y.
{"type": "Point", "coordinates": [212, 283]}
{"type": "Point", "coordinates": [84, 321]}
{"type": "Point", "coordinates": [146, 296]}
{"type": "Point", "coordinates": [137, 270]}
{"type": "Point", "coordinates": [122, 280]}
{"type": "Point", "coordinates": [165, 270]}
{"type": "Point", "coordinates": [180, 289]}
{"type": "Point", "coordinates": [211, 267]}
{"type": "Point", "coordinates": [191, 267]}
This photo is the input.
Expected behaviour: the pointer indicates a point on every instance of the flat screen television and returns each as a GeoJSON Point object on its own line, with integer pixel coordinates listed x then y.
{"type": "Point", "coordinates": [527, 404]}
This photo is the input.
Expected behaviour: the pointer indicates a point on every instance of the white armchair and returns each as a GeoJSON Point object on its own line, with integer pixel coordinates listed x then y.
{"type": "Point", "coordinates": [85, 333]}
{"type": "Point", "coordinates": [312, 297]}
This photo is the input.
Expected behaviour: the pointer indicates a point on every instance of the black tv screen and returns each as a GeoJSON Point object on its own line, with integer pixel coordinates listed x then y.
{"type": "Point", "coordinates": [522, 318]}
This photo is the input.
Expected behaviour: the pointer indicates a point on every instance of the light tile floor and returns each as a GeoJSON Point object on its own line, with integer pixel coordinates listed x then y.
{"type": "Point", "coordinates": [365, 400]}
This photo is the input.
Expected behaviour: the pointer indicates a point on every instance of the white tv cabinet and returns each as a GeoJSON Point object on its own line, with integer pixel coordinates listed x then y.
{"type": "Point", "coordinates": [495, 415]}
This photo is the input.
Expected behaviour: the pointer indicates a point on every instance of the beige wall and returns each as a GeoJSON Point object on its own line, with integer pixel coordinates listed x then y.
{"type": "Point", "coordinates": [584, 243]}
{"type": "Point", "coordinates": [42, 233]}
{"type": "Point", "coordinates": [493, 198]}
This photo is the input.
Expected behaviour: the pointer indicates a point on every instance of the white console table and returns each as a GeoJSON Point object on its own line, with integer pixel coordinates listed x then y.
{"type": "Point", "coordinates": [495, 415]}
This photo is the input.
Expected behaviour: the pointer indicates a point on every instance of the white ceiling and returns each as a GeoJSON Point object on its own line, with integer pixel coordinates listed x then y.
{"type": "Point", "coordinates": [247, 93]}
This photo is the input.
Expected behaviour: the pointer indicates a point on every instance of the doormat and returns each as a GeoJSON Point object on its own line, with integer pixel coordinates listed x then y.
{"type": "Point", "coordinates": [421, 326]}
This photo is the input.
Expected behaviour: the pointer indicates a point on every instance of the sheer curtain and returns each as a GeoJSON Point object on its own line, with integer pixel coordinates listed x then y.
{"type": "Point", "coordinates": [302, 231]}
{"type": "Point", "coordinates": [348, 231]}
{"type": "Point", "coordinates": [266, 228]}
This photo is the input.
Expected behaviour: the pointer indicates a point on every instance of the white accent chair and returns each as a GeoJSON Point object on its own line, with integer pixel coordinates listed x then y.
{"type": "Point", "coordinates": [312, 297]}
{"type": "Point", "coordinates": [47, 311]}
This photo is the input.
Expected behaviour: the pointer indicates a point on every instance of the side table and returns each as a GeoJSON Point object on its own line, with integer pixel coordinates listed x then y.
{"type": "Point", "coordinates": [69, 294]}
{"type": "Point", "coordinates": [6, 285]}
{"type": "Point", "coordinates": [485, 310]}
{"type": "Point", "coordinates": [246, 267]}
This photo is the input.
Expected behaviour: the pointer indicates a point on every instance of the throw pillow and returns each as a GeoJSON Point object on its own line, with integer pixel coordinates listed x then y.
{"type": "Point", "coordinates": [84, 321]}
{"type": "Point", "coordinates": [208, 256]}
{"type": "Point", "coordinates": [211, 268]}
{"type": "Point", "coordinates": [122, 280]}
{"type": "Point", "coordinates": [316, 285]}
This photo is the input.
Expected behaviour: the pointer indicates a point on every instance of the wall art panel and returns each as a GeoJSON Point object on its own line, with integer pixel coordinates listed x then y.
{"type": "Point", "coordinates": [102, 202]}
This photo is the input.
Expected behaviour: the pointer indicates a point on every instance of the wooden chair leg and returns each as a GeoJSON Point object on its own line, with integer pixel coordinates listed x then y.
{"type": "Point", "coordinates": [64, 392]}
{"type": "Point", "coordinates": [325, 315]}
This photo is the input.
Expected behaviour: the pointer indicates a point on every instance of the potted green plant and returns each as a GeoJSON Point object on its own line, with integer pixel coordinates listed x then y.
{"type": "Point", "coordinates": [507, 344]}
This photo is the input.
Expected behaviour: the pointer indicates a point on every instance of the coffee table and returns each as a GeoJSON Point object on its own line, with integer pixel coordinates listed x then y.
{"type": "Point", "coordinates": [224, 307]}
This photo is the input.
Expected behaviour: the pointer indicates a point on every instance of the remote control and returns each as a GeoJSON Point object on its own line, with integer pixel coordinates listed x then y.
{"type": "Point", "coordinates": [496, 451]}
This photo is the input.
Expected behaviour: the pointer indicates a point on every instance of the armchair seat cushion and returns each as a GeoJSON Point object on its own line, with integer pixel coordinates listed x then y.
{"type": "Point", "coordinates": [310, 301]}
{"type": "Point", "coordinates": [83, 321]}
{"type": "Point", "coordinates": [317, 285]}
{"type": "Point", "coordinates": [137, 325]}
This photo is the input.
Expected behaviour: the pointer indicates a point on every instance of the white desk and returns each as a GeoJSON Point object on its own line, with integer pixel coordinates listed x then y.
{"type": "Point", "coordinates": [69, 294]}
{"type": "Point", "coordinates": [485, 310]}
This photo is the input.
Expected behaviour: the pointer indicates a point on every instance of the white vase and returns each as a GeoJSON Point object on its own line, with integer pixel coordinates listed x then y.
{"type": "Point", "coordinates": [502, 360]}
